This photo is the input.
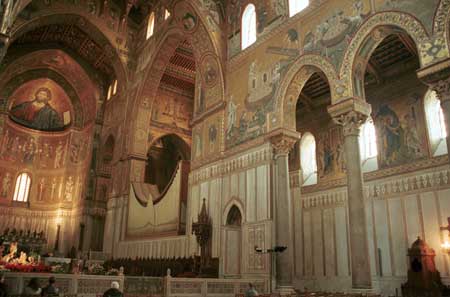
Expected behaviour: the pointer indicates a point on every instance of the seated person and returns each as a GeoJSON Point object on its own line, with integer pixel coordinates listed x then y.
{"type": "Point", "coordinates": [50, 289]}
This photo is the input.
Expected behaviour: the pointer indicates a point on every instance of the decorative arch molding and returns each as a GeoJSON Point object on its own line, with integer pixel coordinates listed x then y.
{"type": "Point", "coordinates": [294, 81]}
{"type": "Point", "coordinates": [441, 18]}
{"type": "Point", "coordinates": [146, 92]}
{"type": "Point", "coordinates": [201, 11]}
{"type": "Point", "coordinates": [207, 50]}
{"type": "Point", "coordinates": [441, 26]}
{"type": "Point", "coordinates": [15, 82]}
{"type": "Point", "coordinates": [234, 201]}
{"type": "Point", "coordinates": [84, 25]}
{"type": "Point", "coordinates": [363, 42]}
{"type": "Point", "coordinates": [205, 53]}
{"type": "Point", "coordinates": [180, 136]}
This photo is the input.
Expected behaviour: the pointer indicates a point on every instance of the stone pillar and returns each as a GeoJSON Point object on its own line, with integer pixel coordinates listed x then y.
{"type": "Point", "coordinates": [351, 114]}
{"type": "Point", "coordinates": [437, 77]}
{"type": "Point", "coordinates": [282, 142]}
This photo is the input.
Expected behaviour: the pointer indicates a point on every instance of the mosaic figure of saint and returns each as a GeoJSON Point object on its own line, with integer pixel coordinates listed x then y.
{"type": "Point", "coordinates": [38, 113]}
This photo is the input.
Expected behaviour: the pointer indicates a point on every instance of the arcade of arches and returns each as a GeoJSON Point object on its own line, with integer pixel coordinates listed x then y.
{"type": "Point", "coordinates": [322, 126]}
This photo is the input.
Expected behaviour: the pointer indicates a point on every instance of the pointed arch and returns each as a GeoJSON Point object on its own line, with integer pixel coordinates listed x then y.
{"type": "Point", "coordinates": [189, 26]}
{"type": "Point", "coordinates": [234, 202]}
{"type": "Point", "coordinates": [365, 41]}
{"type": "Point", "coordinates": [441, 24]}
{"type": "Point", "coordinates": [248, 26]}
{"type": "Point", "coordinates": [294, 81]}
{"type": "Point", "coordinates": [442, 18]}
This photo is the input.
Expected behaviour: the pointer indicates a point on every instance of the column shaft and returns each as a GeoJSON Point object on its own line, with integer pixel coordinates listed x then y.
{"type": "Point", "coordinates": [351, 114]}
{"type": "Point", "coordinates": [283, 222]}
{"type": "Point", "coordinates": [361, 277]}
{"type": "Point", "coordinates": [282, 142]}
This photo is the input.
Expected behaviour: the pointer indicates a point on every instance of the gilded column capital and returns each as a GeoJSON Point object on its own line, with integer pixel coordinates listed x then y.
{"type": "Point", "coordinates": [283, 140]}
{"type": "Point", "coordinates": [437, 77]}
{"type": "Point", "coordinates": [442, 89]}
{"type": "Point", "coordinates": [350, 114]}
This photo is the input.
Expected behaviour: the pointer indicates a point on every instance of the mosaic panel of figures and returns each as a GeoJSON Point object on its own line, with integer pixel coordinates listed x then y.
{"type": "Point", "coordinates": [335, 33]}
{"type": "Point", "coordinates": [48, 159]}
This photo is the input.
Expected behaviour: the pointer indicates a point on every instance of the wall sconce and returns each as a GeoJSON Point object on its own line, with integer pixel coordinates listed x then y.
{"type": "Point", "coordinates": [446, 245]}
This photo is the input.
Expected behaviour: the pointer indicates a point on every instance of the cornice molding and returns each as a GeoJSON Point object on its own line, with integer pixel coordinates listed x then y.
{"type": "Point", "coordinates": [249, 159]}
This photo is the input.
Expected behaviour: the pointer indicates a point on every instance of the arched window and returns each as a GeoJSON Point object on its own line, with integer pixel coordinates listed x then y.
{"type": "Point", "coordinates": [308, 159]}
{"type": "Point", "coordinates": [248, 27]}
{"type": "Point", "coordinates": [368, 146]}
{"type": "Point", "coordinates": [109, 94]}
{"type": "Point", "coordinates": [150, 25]}
{"type": "Point", "coordinates": [234, 217]}
{"type": "Point", "coordinates": [166, 14]}
{"type": "Point", "coordinates": [22, 189]}
{"type": "Point", "coordinates": [114, 88]}
{"type": "Point", "coordinates": [295, 6]}
{"type": "Point", "coordinates": [436, 124]}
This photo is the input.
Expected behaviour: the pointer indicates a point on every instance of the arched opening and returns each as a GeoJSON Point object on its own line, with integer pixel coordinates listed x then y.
{"type": "Point", "coordinates": [150, 25]}
{"type": "Point", "coordinates": [437, 133]}
{"type": "Point", "coordinates": [165, 182]}
{"type": "Point", "coordinates": [163, 159]}
{"type": "Point", "coordinates": [233, 242]}
{"type": "Point", "coordinates": [320, 153]}
{"type": "Point", "coordinates": [368, 146]}
{"type": "Point", "coordinates": [248, 26]}
{"type": "Point", "coordinates": [308, 160]}
{"type": "Point", "coordinates": [175, 93]}
{"type": "Point", "coordinates": [234, 217]}
{"type": "Point", "coordinates": [397, 98]}
{"type": "Point", "coordinates": [22, 188]}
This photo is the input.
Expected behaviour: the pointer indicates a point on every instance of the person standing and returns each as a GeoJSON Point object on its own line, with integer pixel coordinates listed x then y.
{"type": "Point", "coordinates": [33, 288]}
{"type": "Point", "coordinates": [251, 292]}
{"type": "Point", "coordinates": [113, 291]}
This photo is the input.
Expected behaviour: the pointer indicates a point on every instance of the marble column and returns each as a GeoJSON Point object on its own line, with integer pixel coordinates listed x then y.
{"type": "Point", "coordinates": [437, 77]}
{"type": "Point", "coordinates": [351, 114]}
{"type": "Point", "coordinates": [282, 142]}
